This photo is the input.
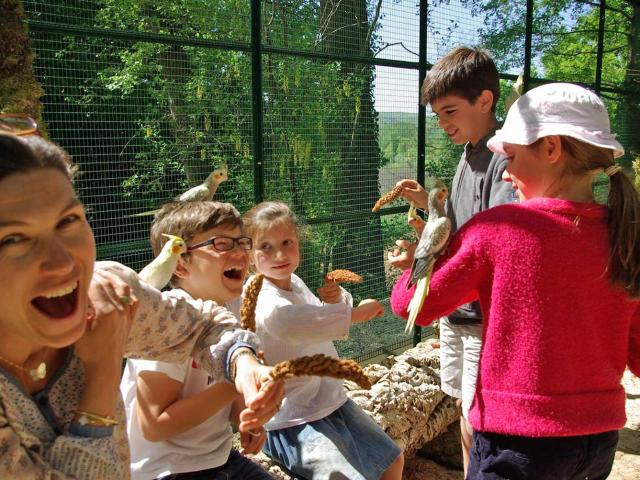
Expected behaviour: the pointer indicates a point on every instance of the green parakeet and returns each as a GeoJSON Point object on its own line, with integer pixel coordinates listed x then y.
{"type": "Point", "coordinates": [159, 271]}
{"type": "Point", "coordinates": [433, 241]}
{"type": "Point", "coordinates": [200, 193]}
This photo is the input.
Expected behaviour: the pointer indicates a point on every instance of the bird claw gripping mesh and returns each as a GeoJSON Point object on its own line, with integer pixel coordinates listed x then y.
{"type": "Point", "coordinates": [248, 308]}
{"type": "Point", "coordinates": [344, 276]}
{"type": "Point", "coordinates": [388, 197]}
{"type": "Point", "coordinates": [323, 366]}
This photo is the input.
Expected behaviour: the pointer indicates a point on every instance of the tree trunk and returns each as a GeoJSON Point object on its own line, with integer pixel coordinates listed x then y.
{"type": "Point", "coordinates": [629, 110]}
{"type": "Point", "coordinates": [344, 29]}
{"type": "Point", "coordinates": [20, 92]}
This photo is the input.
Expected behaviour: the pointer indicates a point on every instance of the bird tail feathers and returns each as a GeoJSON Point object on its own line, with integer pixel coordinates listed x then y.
{"type": "Point", "coordinates": [417, 301]}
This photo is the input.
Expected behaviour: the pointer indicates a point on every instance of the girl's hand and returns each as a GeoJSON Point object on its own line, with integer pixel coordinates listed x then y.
{"type": "Point", "coordinates": [367, 310]}
{"type": "Point", "coordinates": [413, 191]}
{"type": "Point", "coordinates": [252, 441]}
{"type": "Point", "coordinates": [330, 292]}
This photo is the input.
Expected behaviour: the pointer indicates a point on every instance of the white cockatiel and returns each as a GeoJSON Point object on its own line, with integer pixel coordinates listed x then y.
{"type": "Point", "coordinates": [207, 189]}
{"type": "Point", "coordinates": [159, 271]}
{"type": "Point", "coordinates": [433, 241]}
{"type": "Point", "coordinates": [200, 193]}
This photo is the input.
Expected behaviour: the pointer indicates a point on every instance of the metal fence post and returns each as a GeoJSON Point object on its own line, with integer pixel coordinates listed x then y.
{"type": "Point", "coordinates": [422, 111]}
{"type": "Point", "coordinates": [256, 103]}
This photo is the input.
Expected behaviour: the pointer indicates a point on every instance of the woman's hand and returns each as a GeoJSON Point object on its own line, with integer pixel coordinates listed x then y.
{"type": "Point", "coordinates": [330, 292]}
{"type": "Point", "coordinates": [101, 348]}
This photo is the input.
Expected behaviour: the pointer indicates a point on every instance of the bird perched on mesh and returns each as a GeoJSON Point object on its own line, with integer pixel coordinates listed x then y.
{"type": "Point", "coordinates": [516, 92]}
{"type": "Point", "coordinates": [207, 189]}
{"type": "Point", "coordinates": [200, 193]}
{"type": "Point", "coordinates": [161, 269]}
{"type": "Point", "coordinates": [433, 240]}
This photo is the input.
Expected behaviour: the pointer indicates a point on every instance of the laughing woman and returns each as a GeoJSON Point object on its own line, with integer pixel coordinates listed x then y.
{"type": "Point", "coordinates": [60, 409]}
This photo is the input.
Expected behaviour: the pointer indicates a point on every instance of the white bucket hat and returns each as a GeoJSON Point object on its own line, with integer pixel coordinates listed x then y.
{"type": "Point", "coordinates": [557, 109]}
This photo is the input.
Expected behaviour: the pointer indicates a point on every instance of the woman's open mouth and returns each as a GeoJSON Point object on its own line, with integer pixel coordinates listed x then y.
{"type": "Point", "coordinates": [58, 304]}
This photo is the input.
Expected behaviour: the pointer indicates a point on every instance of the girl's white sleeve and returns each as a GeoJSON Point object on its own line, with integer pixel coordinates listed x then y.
{"type": "Point", "coordinates": [305, 323]}
{"type": "Point", "coordinates": [172, 328]}
{"type": "Point", "coordinates": [347, 297]}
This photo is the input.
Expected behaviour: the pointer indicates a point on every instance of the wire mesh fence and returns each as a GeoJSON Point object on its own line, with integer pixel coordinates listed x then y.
{"type": "Point", "coordinates": [313, 102]}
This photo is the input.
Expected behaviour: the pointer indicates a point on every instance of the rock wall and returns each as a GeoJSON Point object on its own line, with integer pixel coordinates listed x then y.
{"type": "Point", "coordinates": [405, 400]}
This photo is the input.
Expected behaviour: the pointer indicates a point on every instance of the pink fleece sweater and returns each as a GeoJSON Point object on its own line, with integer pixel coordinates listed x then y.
{"type": "Point", "coordinates": [557, 334]}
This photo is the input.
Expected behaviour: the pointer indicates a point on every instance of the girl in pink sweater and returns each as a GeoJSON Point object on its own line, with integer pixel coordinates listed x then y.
{"type": "Point", "coordinates": [558, 279]}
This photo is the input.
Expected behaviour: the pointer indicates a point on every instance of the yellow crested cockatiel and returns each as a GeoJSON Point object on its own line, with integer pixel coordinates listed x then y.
{"type": "Point", "coordinates": [159, 271]}
{"type": "Point", "coordinates": [433, 240]}
{"type": "Point", "coordinates": [200, 193]}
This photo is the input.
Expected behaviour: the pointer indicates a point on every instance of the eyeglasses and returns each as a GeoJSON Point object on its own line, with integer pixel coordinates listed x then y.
{"type": "Point", "coordinates": [18, 124]}
{"type": "Point", "coordinates": [224, 244]}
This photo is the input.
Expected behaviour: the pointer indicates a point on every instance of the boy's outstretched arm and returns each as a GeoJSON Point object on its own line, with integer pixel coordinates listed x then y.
{"type": "Point", "coordinates": [162, 414]}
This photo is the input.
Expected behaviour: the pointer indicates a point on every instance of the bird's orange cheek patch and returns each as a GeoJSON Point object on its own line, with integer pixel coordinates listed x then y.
{"type": "Point", "coordinates": [175, 249]}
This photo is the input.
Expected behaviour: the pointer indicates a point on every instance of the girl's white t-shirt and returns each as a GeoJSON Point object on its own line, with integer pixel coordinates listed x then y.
{"type": "Point", "coordinates": [292, 324]}
{"type": "Point", "coordinates": [205, 446]}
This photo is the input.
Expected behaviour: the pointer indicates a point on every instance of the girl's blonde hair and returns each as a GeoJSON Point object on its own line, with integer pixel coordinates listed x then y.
{"type": "Point", "coordinates": [624, 211]}
{"type": "Point", "coordinates": [267, 214]}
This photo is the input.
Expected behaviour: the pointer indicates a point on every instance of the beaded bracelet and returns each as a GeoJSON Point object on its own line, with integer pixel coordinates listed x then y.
{"type": "Point", "coordinates": [234, 360]}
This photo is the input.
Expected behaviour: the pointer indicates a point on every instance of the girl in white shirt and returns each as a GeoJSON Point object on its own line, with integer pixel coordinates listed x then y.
{"type": "Point", "coordinates": [318, 433]}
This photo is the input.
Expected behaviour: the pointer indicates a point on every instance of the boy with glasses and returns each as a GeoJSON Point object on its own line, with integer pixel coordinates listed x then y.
{"type": "Point", "coordinates": [179, 424]}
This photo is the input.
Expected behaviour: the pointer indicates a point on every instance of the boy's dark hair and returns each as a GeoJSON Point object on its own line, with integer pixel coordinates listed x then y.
{"type": "Point", "coordinates": [188, 219]}
{"type": "Point", "coordinates": [464, 72]}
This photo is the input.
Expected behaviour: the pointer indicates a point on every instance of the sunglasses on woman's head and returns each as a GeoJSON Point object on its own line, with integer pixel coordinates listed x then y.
{"type": "Point", "coordinates": [18, 124]}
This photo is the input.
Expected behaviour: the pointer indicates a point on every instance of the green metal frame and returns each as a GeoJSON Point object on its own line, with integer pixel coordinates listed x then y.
{"type": "Point", "coordinates": [256, 49]}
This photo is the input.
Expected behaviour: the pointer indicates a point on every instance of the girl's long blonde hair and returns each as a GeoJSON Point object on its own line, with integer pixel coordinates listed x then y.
{"type": "Point", "coordinates": [624, 212]}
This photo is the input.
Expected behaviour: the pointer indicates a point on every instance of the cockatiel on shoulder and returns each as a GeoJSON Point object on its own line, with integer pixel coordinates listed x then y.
{"type": "Point", "coordinates": [200, 193]}
{"type": "Point", "coordinates": [433, 241]}
{"type": "Point", "coordinates": [159, 271]}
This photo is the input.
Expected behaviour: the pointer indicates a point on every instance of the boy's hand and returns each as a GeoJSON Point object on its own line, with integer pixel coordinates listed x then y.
{"type": "Point", "coordinates": [402, 256]}
{"type": "Point", "coordinates": [413, 191]}
{"type": "Point", "coordinates": [330, 292]}
{"type": "Point", "coordinates": [252, 441]}
{"type": "Point", "coordinates": [366, 310]}
{"type": "Point", "coordinates": [262, 395]}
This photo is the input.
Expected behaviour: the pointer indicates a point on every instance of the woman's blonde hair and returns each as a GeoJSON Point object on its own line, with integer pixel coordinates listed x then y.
{"type": "Point", "coordinates": [624, 211]}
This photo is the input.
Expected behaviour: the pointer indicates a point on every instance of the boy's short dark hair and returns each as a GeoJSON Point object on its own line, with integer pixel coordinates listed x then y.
{"type": "Point", "coordinates": [188, 219]}
{"type": "Point", "coordinates": [464, 72]}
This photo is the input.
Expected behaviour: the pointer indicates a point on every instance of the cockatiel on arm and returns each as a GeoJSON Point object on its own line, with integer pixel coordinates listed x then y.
{"type": "Point", "coordinates": [200, 193]}
{"type": "Point", "coordinates": [159, 271]}
{"type": "Point", "coordinates": [433, 241]}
